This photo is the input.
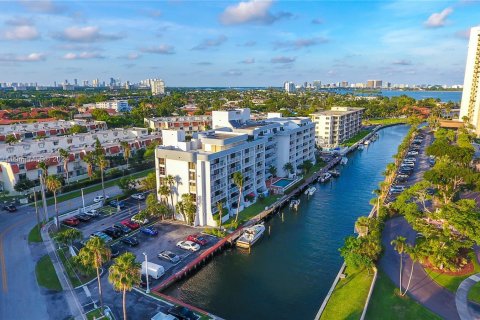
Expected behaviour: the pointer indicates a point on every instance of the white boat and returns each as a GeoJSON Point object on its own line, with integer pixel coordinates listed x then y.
{"type": "Point", "coordinates": [310, 191]}
{"type": "Point", "coordinates": [344, 160]}
{"type": "Point", "coordinates": [250, 236]}
{"type": "Point", "coordinates": [366, 142]}
{"type": "Point", "coordinates": [334, 173]}
{"type": "Point", "coordinates": [360, 147]}
{"type": "Point", "coordinates": [325, 177]}
{"type": "Point", "coordinates": [294, 203]}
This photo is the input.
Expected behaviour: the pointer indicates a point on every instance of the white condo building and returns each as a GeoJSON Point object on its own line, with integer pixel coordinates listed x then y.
{"type": "Point", "coordinates": [289, 87]}
{"type": "Point", "coordinates": [204, 166]}
{"type": "Point", "coordinates": [471, 86]}
{"type": "Point", "coordinates": [157, 86]}
{"type": "Point", "coordinates": [332, 127]}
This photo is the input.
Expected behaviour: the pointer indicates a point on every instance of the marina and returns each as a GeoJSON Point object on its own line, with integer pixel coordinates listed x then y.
{"type": "Point", "coordinates": [312, 234]}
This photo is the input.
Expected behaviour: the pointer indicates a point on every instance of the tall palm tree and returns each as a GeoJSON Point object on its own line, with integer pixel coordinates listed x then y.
{"type": "Point", "coordinates": [89, 159]}
{"type": "Point", "coordinates": [189, 208]}
{"type": "Point", "coordinates": [400, 244]}
{"type": "Point", "coordinates": [288, 168]}
{"type": "Point", "coordinates": [102, 164]}
{"type": "Point", "coordinates": [238, 180]}
{"type": "Point", "coordinates": [68, 236]}
{"type": "Point", "coordinates": [164, 191]}
{"type": "Point", "coordinates": [220, 211]}
{"type": "Point", "coordinates": [170, 181]}
{"type": "Point", "coordinates": [42, 165]}
{"type": "Point", "coordinates": [54, 184]}
{"type": "Point", "coordinates": [124, 273]}
{"type": "Point", "coordinates": [127, 151]}
{"type": "Point", "coordinates": [94, 255]}
{"type": "Point", "coordinates": [273, 172]}
{"type": "Point", "coordinates": [414, 254]}
{"type": "Point", "coordinates": [65, 155]}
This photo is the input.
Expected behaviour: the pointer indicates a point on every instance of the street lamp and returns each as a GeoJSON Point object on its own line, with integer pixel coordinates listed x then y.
{"type": "Point", "coordinates": [83, 200]}
{"type": "Point", "coordinates": [146, 272]}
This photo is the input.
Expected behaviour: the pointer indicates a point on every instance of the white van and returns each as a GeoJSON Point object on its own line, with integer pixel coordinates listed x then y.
{"type": "Point", "coordinates": [154, 270]}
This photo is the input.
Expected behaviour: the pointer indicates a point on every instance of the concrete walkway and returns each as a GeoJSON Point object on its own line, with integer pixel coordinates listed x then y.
{"type": "Point", "coordinates": [461, 298]}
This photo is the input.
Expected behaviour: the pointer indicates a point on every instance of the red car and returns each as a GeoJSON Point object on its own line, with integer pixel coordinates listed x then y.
{"type": "Point", "coordinates": [132, 225]}
{"type": "Point", "coordinates": [71, 221]}
{"type": "Point", "coordinates": [201, 240]}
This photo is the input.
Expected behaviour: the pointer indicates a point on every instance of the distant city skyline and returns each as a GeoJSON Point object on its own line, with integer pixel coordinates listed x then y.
{"type": "Point", "coordinates": [250, 43]}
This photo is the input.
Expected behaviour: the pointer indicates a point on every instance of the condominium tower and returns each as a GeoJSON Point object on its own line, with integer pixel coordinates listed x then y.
{"type": "Point", "coordinates": [471, 86]}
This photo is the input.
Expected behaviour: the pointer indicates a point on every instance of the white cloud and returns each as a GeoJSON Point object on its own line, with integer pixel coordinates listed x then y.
{"type": "Point", "coordinates": [210, 43]}
{"type": "Point", "coordinates": [248, 61]}
{"type": "Point", "coordinates": [82, 56]}
{"type": "Point", "coordinates": [437, 20]}
{"type": "Point", "coordinates": [130, 56]}
{"type": "Point", "coordinates": [282, 59]}
{"type": "Point", "coordinates": [161, 49]}
{"type": "Point", "coordinates": [32, 57]}
{"type": "Point", "coordinates": [85, 34]}
{"type": "Point", "coordinates": [257, 11]}
{"type": "Point", "coordinates": [42, 6]}
{"type": "Point", "coordinates": [300, 43]}
{"type": "Point", "coordinates": [21, 33]}
{"type": "Point", "coordinates": [19, 21]}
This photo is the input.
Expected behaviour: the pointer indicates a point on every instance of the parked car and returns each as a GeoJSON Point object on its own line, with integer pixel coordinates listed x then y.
{"type": "Point", "coordinates": [138, 196]}
{"type": "Point", "coordinates": [123, 228]}
{"type": "Point", "coordinates": [113, 232]}
{"type": "Point", "coordinates": [412, 153]}
{"type": "Point", "coordinates": [137, 219]}
{"type": "Point", "coordinates": [117, 204]}
{"type": "Point", "coordinates": [131, 224]}
{"type": "Point", "coordinates": [9, 208]}
{"type": "Point", "coordinates": [131, 241]}
{"type": "Point", "coordinates": [151, 231]}
{"type": "Point", "coordinates": [182, 313]}
{"type": "Point", "coordinates": [83, 217]}
{"type": "Point", "coordinates": [410, 159]}
{"type": "Point", "coordinates": [71, 221]}
{"type": "Point", "coordinates": [169, 256]}
{"type": "Point", "coordinates": [201, 240]}
{"type": "Point", "coordinates": [92, 213]}
{"type": "Point", "coordinates": [100, 198]}
{"type": "Point", "coordinates": [188, 245]}
{"type": "Point", "coordinates": [115, 250]}
{"type": "Point", "coordinates": [408, 164]}
{"type": "Point", "coordinates": [102, 236]}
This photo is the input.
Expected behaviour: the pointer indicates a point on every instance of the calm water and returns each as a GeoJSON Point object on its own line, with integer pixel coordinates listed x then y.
{"type": "Point", "coordinates": [288, 274]}
{"type": "Point", "coordinates": [445, 96]}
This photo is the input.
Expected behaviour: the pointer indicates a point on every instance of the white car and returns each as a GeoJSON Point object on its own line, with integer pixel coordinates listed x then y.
{"type": "Point", "coordinates": [92, 213]}
{"type": "Point", "coordinates": [188, 245]}
{"type": "Point", "coordinates": [412, 153]}
{"type": "Point", "coordinates": [138, 196]}
{"type": "Point", "coordinates": [140, 221]}
{"type": "Point", "coordinates": [100, 198]}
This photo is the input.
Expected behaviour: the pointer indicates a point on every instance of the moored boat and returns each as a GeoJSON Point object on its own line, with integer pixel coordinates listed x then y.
{"type": "Point", "coordinates": [325, 177]}
{"type": "Point", "coordinates": [335, 173]}
{"type": "Point", "coordinates": [310, 191]}
{"type": "Point", "coordinates": [294, 203]}
{"type": "Point", "coordinates": [344, 160]}
{"type": "Point", "coordinates": [250, 236]}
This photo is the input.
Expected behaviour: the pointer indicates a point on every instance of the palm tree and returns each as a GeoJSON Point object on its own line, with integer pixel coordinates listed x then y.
{"type": "Point", "coordinates": [288, 168]}
{"type": "Point", "coordinates": [170, 181]}
{"type": "Point", "coordinates": [127, 150]}
{"type": "Point", "coordinates": [102, 164]}
{"type": "Point", "coordinates": [94, 255]}
{"type": "Point", "coordinates": [180, 206]}
{"type": "Point", "coordinates": [54, 184]}
{"type": "Point", "coordinates": [89, 159]}
{"type": "Point", "coordinates": [124, 273]}
{"type": "Point", "coordinates": [399, 244]}
{"type": "Point", "coordinates": [414, 254]}
{"type": "Point", "coordinates": [220, 211]}
{"type": "Point", "coordinates": [189, 208]}
{"type": "Point", "coordinates": [65, 155]}
{"type": "Point", "coordinates": [273, 172]}
{"type": "Point", "coordinates": [164, 191]}
{"type": "Point", "coordinates": [42, 165]}
{"type": "Point", "coordinates": [68, 236]}
{"type": "Point", "coordinates": [238, 180]}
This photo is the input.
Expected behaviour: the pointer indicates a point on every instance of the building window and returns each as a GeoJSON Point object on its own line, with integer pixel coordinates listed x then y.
{"type": "Point", "coordinates": [191, 165]}
{"type": "Point", "coordinates": [161, 161]}
{"type": "Point", "coordinates": [161, 171]}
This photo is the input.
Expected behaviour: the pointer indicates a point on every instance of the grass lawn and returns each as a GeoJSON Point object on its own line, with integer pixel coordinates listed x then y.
{"type": "Point", "coordinates": [74, 275]}
{"type": "Point", "coordinates": [474, 293]}
{"type": "Point", "coordinates": [94, 314]}
{"type": "Point", "coordinates": [348, 298]}
{"type": "Point", "coordinates": [46, 276]}
{"type": "Point", "coordinates": [385, 121]}
{"type": "Point", "coordinates": [385, 304]}
{"type": "Point", "coordinates": [251, 211]}
{"type": "Point", "coordinates": [452, 282]}
{"type": "Point", "coordinates": [34, 235]}
{"type": "Point", "coordinates": [350, 142]}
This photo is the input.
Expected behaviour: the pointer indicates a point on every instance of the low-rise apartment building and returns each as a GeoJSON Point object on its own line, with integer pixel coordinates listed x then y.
{"type": "Point", "coordinates": [204, 166]}
{"type": "Point", "coordinates": [189, 124]}
{"type": "Point", "coordinates": [336, 125]}
{"type": "Point", "coordinates": [19, 160]}
{"type": "Point", "coordinates": [117, 105]}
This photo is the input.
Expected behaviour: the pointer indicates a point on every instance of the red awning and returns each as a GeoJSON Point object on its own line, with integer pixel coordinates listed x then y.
{"type": "Point", "coordinates": [41, 133]}
{"type": "Point", "coordinates": [53, 131]}
{"type": "Point", "coordinates": [15, 168]}
{"type": "Point", "coordinates": [71, 157]}
{"type": "Point", "coordinates": [2, 137]}
{"type": "Point", "coordinates": [114, 149]}
{"type": "Point", "coordinates": [31, 165]}
{"type": "Point", "coordinates": [52, 161]}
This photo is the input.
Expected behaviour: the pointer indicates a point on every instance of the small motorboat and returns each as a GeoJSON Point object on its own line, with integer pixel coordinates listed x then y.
{"type": "Point", "coordinates": [325, 177]}
{"type": "Point", "coordinates": [294, 204]}
{"type": "Point", "coordinates": [335, 173]}
{"type": "Point", "coordinates": [310, 191]}
{"type": "Point", "coordinates": [250, 236]}
{"type": "Point", "coordinates": [366, 142]}
{"type": "Point", "coordinates": [344, 160]}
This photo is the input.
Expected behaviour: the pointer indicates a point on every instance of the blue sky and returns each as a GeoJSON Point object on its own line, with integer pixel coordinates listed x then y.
{"type": "Point", "coordinates": [231, 43]}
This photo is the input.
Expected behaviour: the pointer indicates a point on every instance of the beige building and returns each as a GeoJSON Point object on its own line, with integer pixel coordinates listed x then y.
{"type": "Point", "coordinates": [189, 124]}
{"type": "Point", "coordinates": [332, 127]}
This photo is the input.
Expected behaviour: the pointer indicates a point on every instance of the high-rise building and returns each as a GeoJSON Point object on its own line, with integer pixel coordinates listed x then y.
{"type": "Point", "coordinates": [470, 106]}
{"type": "Point", "coordinates": [157, 86]}
{"type": "Point", "coordinates": [374, 84]}
{"type": "Point", "coordinates": [289, 87]}
{"type": "Point", "coordinates": [95, 83]}
{"type": "Point", "coordinates": [317, 84]}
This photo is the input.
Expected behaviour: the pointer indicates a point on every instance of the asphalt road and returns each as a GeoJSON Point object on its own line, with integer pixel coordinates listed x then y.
{"type": "Point", "coordinates": [20, 296]}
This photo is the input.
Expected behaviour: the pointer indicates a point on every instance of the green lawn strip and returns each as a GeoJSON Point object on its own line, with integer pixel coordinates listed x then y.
{"type": "Point", "coordinates": [384, 121]}
{"type": "Point", "coordinates": [349, 296]}
{"type": "Point", "coordinates": [474, 293]}
{"type": "Point", "coordinates": [386, 304]}
{"type": "Point", "coordinates": [452, 282]}
{"type": "Point", "coordinates": [94, 314]}
{"type": "Point", "coordinates": [350, 142]}
{"type": "Point", "coordinates": [76, 277]}
{"type": "Point", "coordinates": [34, 235]}
{"type": "Point", "coordinates": [46, 275]}
{"type": "Point", "coordinates": [251, 211]}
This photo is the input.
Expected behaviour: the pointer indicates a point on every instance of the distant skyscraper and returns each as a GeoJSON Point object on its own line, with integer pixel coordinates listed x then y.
{"type": "Point", "coordinates": [75, 82]}
{"type": "Point", "coordinates": [157, 86]}
{"type": "Point", "coordinates": [317, 84]}
{"type": "Point", "coordinates": [374, 84]}
{"type": "Point", "coordinates": [471, 85]}
{"type": "Point", "coordinates": [95, 83]}
{"type": "Point", "coordinates": [85, 83]}
{"type": "Point", "coordinates": [289, 86]}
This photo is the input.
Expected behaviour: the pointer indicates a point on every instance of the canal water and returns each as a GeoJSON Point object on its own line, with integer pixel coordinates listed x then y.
{"type": "Point", "coordinates": [288, 274]}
